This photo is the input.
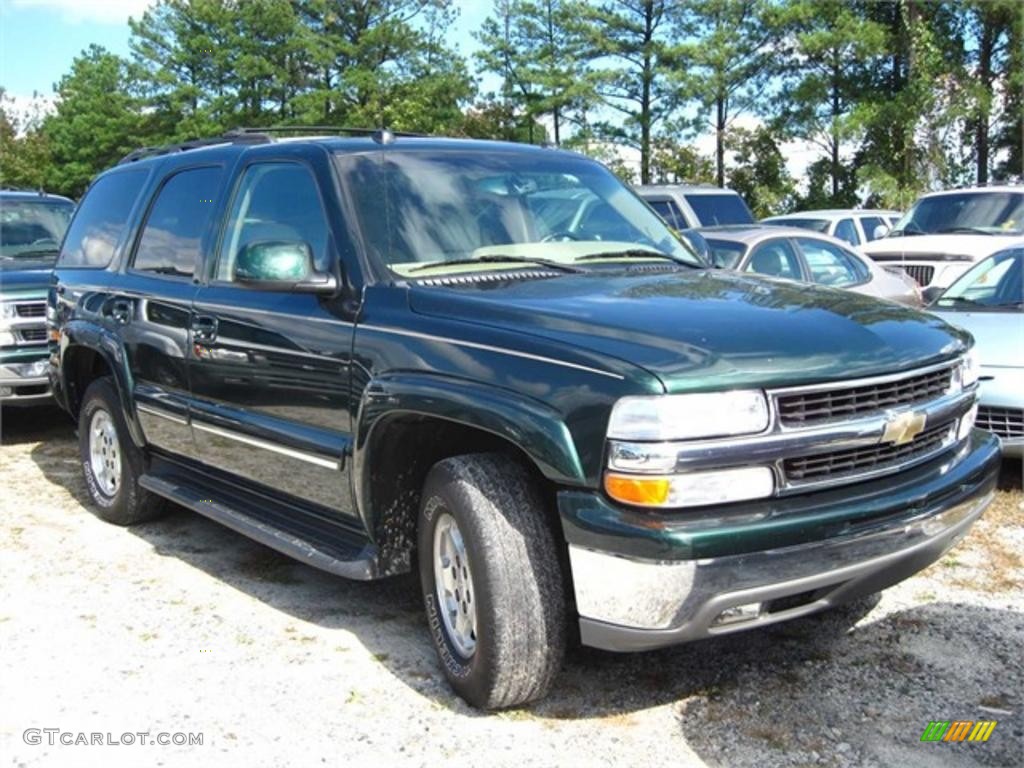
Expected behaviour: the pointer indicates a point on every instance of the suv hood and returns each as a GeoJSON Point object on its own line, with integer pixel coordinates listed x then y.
{"type": "Point", "coordinates": [965, 246]}
{"type": "Point", "coordinates": [706, 329]}
{"type": "Point", "coordinates": [23, 277]}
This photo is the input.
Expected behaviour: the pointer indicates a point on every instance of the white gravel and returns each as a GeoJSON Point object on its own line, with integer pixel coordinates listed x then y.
{"type": "Point", "coordinates": [183, 626]}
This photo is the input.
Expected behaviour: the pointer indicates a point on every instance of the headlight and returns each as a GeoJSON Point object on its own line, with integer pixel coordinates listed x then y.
{"type": "Point", "coordinates": [8, 310]}
{"type": "Point", "coordinates": [691, 489]}
{"type": "Point", "coordinates": [687, 417]}
{"type": "Point", "coordinates": [967, 423]}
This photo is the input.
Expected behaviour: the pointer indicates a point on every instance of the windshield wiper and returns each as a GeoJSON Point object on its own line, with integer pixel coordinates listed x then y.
{"type": "Point", "coordinates": [34, 252]}
{"type": "Point", "coordinates": [960, 300]}
{"type": "Point", "coordinates": [634, 253]}
{"type": "Point", "coordinates": [492, 258]}
{"type": "Point", "coordinates": [904, 233]}
{"type": "Point", "coordinates": [972, 230]}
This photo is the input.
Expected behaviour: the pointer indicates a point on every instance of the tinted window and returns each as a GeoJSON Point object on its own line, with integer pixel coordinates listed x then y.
{"type": "Point", "coordinates": [987, 212]}
{"type": "Point", "coordinates": [177, 222]}
{"type": "Point", "coordinates": [275, 202]}
{"type": "Point", "coordinates": [31, 229]}
{"type": "Point", "coordinates": [870, 224]}
{"type": "Point", "coordinates": [829, 264]}
{"type": "Point", "coordinates": [845, 230]}
{"type": "Point", "coordinates": [100, 220]}
{"type": "Point", "coordinates": [775, 258]}
{"type": "Point", "coordinates": [670, 212]}
{"type": "Point", "coordinates": [726, 254]}
{"type": "Point", "coordinates": [421, 210]}
{"type": "Point", "coordinates": [723, 208]}
{"type": "Point", "coordinates": [997, 283]}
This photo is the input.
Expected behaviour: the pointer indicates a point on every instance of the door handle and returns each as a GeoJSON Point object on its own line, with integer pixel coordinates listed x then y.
{"type": "Point", "coordinates": [204, 327]}
{"type": "Point", "coordinates": [120, 310]}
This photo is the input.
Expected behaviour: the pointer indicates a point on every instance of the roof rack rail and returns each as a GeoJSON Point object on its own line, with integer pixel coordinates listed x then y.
{"type": "Point", "coordinates": [231, 137]}
{"type": "Point", "coordinates": [332, 129]}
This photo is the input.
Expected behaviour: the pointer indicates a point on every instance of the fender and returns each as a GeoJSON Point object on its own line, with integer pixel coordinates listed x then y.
{"type": "Point", "coordinates": [81, 334]}
{"type": "Point", "coordinates": [534, 427]}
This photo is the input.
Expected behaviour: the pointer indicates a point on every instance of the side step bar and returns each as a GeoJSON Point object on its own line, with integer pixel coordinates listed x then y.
{"type": "Point", "coordinates": [304, 537]}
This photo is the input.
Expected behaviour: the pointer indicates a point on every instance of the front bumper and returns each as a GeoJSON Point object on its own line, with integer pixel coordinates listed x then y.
{"type": "Point", "coordinates": [22, 383]}
{"type": "Point", "coordinates": [645, 581]}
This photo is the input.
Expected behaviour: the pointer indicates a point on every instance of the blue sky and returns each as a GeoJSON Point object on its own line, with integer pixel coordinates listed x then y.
{"type": "Point", "coordinates": [39, 38]}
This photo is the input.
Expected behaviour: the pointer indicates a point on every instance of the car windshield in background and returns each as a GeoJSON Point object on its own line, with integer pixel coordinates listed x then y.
{"type": "Point", "coordinates": [725, 208]}
{"type": "Point", "coordinates": [815, 225]}
{"type": "Point", "coordinates": [456, 211]}
{"type": "Point", "coordinates": [725, 254]}
{"type": "Point", "coordinates": [996, 284]}
{"type": "Point", "coordinates": [31, 230]}
{"type": "Point", "coordinates": [984, 213]}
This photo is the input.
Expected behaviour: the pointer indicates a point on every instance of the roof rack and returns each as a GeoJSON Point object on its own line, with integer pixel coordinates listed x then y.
{"type": "Point", "coordinates": [232, 137]}
{"type": "Point", "coordinates": [263, 135]}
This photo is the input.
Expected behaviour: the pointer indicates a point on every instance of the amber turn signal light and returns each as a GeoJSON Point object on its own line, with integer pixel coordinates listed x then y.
{"type": "Point", "coordinates": [632, 489]}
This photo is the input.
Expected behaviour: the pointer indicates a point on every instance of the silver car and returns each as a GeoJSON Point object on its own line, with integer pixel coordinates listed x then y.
{"type": "Point", "coordinates": [988, 301]}
{"type": "Point", "coordinates": [792, 253]}
{"type": "Point", "coordinates": [854, 226]}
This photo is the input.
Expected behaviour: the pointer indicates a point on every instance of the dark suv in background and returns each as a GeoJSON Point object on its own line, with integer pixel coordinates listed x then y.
{"type": "Point", "coordinates": [494, 363]}
{"type": "Point", "coordinates": [32, 224]}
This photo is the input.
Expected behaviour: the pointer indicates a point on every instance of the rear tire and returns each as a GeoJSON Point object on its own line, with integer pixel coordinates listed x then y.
{"type": "Point", "coordinates": [498, 619]}
{"type": "Point", "coordinates": [111, 462]}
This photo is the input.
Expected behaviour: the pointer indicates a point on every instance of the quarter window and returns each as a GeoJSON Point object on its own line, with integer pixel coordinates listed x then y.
{"type": "Point", "coordinates": [845, 230]}
{"type": "Point", "coordinates": [775, 258]}
{"type": "Point", "coordinates": [100, 221]}
{"type": "Point", "coordinates": [829, 264]}
{"type": "Point", "coordinates": [275, 202]}
{"type": "Point", "coordinates": [670, 212]}
{"type": "Point", "coordinates": [174, 230]}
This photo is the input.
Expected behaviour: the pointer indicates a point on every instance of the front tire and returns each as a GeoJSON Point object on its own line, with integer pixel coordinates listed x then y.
{"type": "Point", "coordinates": [111, 463]}
{"type": "Point", "coordinates": [492, 580]}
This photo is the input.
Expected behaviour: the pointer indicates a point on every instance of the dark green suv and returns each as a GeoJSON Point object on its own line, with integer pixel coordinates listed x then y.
{"type": "Point", "coordinates": [495, 364]}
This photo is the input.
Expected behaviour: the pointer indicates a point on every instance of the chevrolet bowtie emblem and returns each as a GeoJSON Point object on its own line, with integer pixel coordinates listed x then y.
{"type": "Point", "coordinates": [900, 430]}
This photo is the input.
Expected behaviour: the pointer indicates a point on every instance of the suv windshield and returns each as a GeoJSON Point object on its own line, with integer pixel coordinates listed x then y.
{"type": "Point", "coordinates": [32, 229]}
{"type": "Point", "coordinates": [456, 211]}
{"type": "Point", "coordinates": [985, 213]}
{"type": "Point", "coordinates": [720, 208]}
{"type": "Point", "coordinates": [997, 283]}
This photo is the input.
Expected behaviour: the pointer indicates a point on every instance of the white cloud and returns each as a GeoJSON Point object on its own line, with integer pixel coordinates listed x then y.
{"type": "Point", "coordinates": [95, 12]}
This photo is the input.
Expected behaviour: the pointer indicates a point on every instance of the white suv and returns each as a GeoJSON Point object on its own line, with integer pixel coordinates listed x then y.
{"type": "Point", "coordinates": [945, 233]}
{"type": "Point", "coordinates": [684, 206]}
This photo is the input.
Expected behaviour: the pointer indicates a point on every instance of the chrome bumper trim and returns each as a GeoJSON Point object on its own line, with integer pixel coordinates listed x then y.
{"type": "Point", "coordinates": [627, 604]}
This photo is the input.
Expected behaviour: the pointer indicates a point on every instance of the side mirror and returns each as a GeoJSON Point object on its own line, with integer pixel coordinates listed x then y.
{"type": "Point", "coordinates": [931, 294]}
{"type": "Point", "coordinates": [880, 231]}
{"type": "Point", "coordinates": [280, 265]}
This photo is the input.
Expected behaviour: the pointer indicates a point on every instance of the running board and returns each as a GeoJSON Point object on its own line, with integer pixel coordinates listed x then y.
{"type": "Point", "coordinates": [304, 537]}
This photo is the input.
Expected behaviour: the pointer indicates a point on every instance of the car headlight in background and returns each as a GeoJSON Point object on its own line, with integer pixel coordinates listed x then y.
{"type": "Point", "coordinates": [689, 417]}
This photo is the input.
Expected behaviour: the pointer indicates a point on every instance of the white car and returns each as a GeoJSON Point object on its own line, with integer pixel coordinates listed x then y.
{"type": "Point", "coordinates": [945, 233]}
{"type": "Point", "coordinates": [684, 206]}
{"type": "Point", "coordinates": [856, 227]}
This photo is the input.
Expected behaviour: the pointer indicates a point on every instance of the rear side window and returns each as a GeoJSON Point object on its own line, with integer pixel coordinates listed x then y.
{"type": "Point", "coordinates": [845, 230]}
{"type": "Point", "coordinates": [177, 222]}
{"type": "Point", "coordinates": [775, 258]}
{"type": "Point", "coordinates": [831, 265]}
{"type": "Point", "coordinates": [871, 223]}
{"type": "Point", "coordinates": [721, 208]}
{"type": "Point", "coordinates": [669, 212]}
{"type": "Point", "coordinates": [100, 221]}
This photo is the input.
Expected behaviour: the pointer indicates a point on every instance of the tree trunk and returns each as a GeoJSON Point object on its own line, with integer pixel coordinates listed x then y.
{"type": "Point", "coordinates": [836, 109]}
{"type": "Point", "coordinates": [645, 97]}
{"type": "Point", "coordinates": [981, 143]}
{"type": "Point", "coordinates": [720, 140]}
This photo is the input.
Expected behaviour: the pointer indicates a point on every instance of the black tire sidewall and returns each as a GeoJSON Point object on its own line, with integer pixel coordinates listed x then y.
{"type": "Point", "coordinates": [120, 508]}
{"type": "Point", "coordinates": [469, 677]}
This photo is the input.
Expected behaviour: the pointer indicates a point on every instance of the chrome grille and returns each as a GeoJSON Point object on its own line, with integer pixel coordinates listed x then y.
{"type": "Point", "coordinates": [862, 461]}
{"type": "Point", "coordinates": [32, 335]}
{"type": "Point", "coordinates": [1007, 423]}
{"type": "Point", "coordinates": [813, 407]}
{"type": "Point", "coordinates": [921, 273]}
{"type": "Point", "coordinates": [31, 309]}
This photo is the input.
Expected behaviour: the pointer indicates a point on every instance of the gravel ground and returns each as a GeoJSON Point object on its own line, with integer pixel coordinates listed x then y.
{"type": "Point", "coordinates": [184, 626]}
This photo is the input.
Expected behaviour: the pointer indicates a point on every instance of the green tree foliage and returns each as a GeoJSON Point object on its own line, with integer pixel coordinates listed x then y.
{"type": "Point", "coordinates": [675, 163]}
{"type": "Point", "coordinates": [760, 175]}
{"type": "Point", "coordinates": [832, 44]}
{"type": "Point", "coordinates": [634, 50]}
{"type": "Point", "coordinates": [537, 49]}
{"type": "Point", "coordinates": [98, 120]}
{"type": "Point", "coordinates": [731, 60]}
{"type": "Point", "coordinates": [24, 148]}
